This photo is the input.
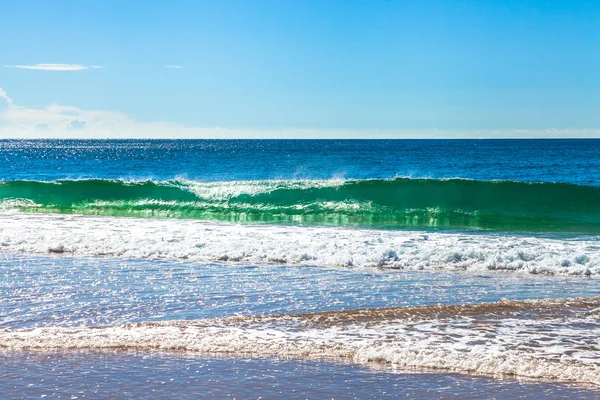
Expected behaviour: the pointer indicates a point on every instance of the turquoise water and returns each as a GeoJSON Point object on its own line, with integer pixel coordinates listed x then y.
{"type": "Point", "coordinates": [400, 203]}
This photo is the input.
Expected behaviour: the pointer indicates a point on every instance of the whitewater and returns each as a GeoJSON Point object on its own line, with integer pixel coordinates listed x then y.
{"type": "Point", "coordinates": [338, 247]}
{"type": "Point", "coordinates": [495, 339]}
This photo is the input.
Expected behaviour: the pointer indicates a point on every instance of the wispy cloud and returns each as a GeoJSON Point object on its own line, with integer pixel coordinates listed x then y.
{"type": "Point", "coordinates": [4, 96]}
{"type": "Point", "coordinates": [56, 67]}
{"type": "Point", "coordinates": [174, 66]}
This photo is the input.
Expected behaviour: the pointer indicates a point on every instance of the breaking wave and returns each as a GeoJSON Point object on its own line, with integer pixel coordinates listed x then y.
{"type": "Point", "coordinates": [400, 203]}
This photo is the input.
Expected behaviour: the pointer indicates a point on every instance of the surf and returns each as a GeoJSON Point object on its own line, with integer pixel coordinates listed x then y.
{"type": "Point", "coordinates": [400, 203]}
{"type": "Point", "coordinates": [501, 338]}
{"type": "Point", "coordinates": [192, 240]}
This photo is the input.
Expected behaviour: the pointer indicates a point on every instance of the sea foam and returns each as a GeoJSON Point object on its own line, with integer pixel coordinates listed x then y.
{"type": "Point", "coordinates": [324, 246]}
{"type": "Point", "coordinates": [547, 339]}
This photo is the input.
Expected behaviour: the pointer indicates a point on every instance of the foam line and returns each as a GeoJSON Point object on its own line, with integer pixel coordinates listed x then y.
{"type": "Point", "coordinates": [341, 247]}
{"type": "Point", "coordinates": [547, 339]}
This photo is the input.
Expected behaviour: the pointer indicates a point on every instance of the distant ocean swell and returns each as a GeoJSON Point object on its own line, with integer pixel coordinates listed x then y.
{"type": "Point", "coordinates": [400, 203]}
{"type": "Point", "coordinates": [543, 339]}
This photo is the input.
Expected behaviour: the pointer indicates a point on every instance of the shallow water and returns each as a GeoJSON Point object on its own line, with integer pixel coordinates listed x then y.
{"type": "Point", "coordinates": [407, 319]}
{"type": "Point", "coordinates": [44, 291]}
{"type": "Point", "coordinates": [92, 375]}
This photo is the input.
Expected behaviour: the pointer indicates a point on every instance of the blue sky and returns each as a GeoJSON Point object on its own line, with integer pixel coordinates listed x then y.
{"type": "Point", "coordinates": [300, 68]}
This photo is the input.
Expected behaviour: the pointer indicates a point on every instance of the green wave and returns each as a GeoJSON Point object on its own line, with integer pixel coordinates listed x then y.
{"type": "Point", "coordinates": [400, 203]}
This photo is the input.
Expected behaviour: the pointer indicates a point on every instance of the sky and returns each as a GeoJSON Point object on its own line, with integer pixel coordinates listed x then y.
{"type": "Point", "coordinates": [299, 68]}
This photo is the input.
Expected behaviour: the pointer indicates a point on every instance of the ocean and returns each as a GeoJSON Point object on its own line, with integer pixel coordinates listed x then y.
{"type": "Point", "coordinates": [300, 268]}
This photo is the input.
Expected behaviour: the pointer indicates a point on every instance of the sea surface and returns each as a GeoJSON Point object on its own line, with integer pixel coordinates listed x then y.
{"type": "Point", "coordinates": [300, 268]}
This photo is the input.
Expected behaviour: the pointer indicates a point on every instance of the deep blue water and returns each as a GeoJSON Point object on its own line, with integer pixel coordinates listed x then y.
{"type": "Point", "coordinates": [554, 160]}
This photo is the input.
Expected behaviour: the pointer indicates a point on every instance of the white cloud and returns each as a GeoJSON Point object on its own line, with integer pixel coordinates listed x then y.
{"type": "Point", "coordinates": [56, 121]}
{"type": "Point", "coordinates": [77, 124]}
{"type": "Point", "coordinates": [4, 96]}
{"type": "Point", "coordinates": [56, 67]}
{"type": "Point", "coordinates": [174, 66]}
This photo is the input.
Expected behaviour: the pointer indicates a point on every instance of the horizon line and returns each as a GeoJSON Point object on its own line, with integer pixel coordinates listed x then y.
{"type": "Point", "coordinates": [307, 138]}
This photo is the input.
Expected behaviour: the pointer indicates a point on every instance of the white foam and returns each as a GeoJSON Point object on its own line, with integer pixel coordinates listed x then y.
{"type": "Point", "coordinates": [205, 241]}
{"type": "Point", "coordinates": [10, 205]}
{"type": "Point", "coordinates": [222, 191]}
{"type": "Point", "coordinates": [548, 348]}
